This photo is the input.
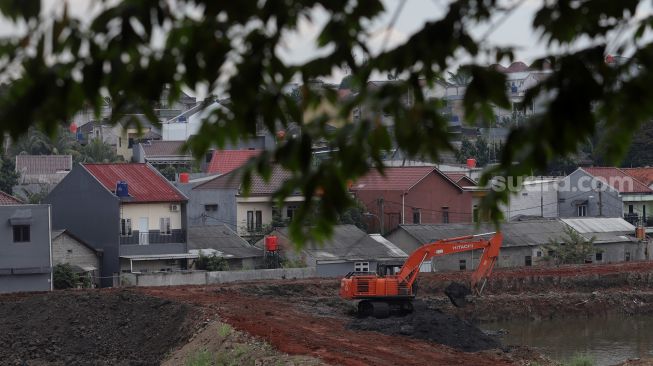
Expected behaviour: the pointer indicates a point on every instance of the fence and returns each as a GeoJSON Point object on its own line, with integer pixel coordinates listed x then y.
{"type": "Point", "coordinates": [208, 278]}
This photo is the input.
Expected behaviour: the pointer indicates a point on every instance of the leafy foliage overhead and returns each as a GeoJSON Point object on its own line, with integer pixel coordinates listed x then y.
{"type": "Point", "coordinates": [65, 64]}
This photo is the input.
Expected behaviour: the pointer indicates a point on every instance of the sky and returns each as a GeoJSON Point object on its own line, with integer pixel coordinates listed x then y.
{"type": "Point", "coordinates": [514, 30]}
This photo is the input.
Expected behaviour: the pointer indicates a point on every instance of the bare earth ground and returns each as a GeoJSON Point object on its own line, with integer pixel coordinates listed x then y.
{"type": "Point", "coordinates": [303, 322]}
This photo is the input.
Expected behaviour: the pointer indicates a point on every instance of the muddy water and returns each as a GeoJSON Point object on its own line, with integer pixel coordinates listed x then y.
{"type": "Point", "coordinates": [607, 340]}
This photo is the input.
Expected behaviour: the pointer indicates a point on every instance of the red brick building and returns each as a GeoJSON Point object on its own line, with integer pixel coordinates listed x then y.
{"type": "Point", "coordinates": [416, 195]}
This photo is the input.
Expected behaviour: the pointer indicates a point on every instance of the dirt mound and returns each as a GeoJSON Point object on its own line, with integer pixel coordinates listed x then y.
{"type": "Point", "coordinates": [90, 327]}
{"type": "Point", "coordinates": [431, 324]}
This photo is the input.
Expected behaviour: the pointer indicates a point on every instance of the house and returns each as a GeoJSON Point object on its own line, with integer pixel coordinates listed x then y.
{"type": "Point", "coordinates": [40, 173]}
{"type": "Point", "coordinates": [594, 192]}
{"type": "Point", "coordinates": [418, 194]}
{"type": "Point", "coordinates": [644, 174]}
{"type": "Point", "coordinates": [25, 247]}
{"type": "Point", "coordinates": [83, 258]}
{"type": "Point", "coordinates": [537, 196]}
{"type": "Point", "coordinates": [127, 210]}
{"type": "Point", "coordinates": [123, 135]}
{"type": "Point", "coordinates": [525, 242]}
{"type": "Point", "coordinates": [349, 249]}
{"type": "Point", "coordinates": [225, 161]}
{"type": "Point", "coordinates": [220, 240]}
{"type": "Point", "coordinates": [163, 153]}
{"type": "Point", "coordinates": [222, 200]}
{"type": "Point", "coordinates": [7, 199]}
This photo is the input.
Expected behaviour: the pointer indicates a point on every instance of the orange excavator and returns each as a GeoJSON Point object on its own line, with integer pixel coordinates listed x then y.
{"type": "Point", "coordinates": [382, 293]}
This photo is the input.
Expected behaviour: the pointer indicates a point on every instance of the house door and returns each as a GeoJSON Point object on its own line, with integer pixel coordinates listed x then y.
{"type": "Point", "coordinates": [143, 231]}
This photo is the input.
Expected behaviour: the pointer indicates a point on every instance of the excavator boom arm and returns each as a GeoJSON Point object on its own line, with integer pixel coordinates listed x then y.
{"type": "Point", "coordinates": [410, 269]}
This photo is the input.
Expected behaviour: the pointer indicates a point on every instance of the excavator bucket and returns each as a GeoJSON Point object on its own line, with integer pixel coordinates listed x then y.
{"type": "Point", "coordinates": [457, 293]}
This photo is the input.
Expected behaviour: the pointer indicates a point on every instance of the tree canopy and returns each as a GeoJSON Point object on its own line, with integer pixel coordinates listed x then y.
{"type": "Point", "coordinates": [132, 50]}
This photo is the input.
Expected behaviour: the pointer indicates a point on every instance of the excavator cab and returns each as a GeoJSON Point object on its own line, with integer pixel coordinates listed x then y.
{"type": "Point", "coordinates": [388, 268]}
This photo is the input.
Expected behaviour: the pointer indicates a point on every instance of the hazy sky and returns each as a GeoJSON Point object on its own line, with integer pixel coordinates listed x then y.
{"type": "Point", "coordinates": [516, 30]}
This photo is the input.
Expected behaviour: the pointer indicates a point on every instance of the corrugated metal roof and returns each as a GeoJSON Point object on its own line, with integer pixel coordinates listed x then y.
{"type": "Point", "coordinates": [7, 199]}
{"type": "Point", "coordinates": [396, 178]}
{"type": "Point", "coordinates": [222, 239]}
{"type": "Point", "coordinates": [145, 184]}
{"type": "Point", "coordinates": [224, 161]}
{"type": "Point", "coordinates": [43, 164]}
{"type": "Point", "coordinates": [515, 234]}
{"type": "Point", "coordinates": [618, 179]}
{"type": "Point", "coordinates": [600, 225]}
{"type": "Point", "coordinates": [347, 243]}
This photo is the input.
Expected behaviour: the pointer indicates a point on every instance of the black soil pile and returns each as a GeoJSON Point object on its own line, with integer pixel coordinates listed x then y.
{"type": "Point", "coordinates": [432, 325]}
{"type": "Point", "coordinates": [89, 328]}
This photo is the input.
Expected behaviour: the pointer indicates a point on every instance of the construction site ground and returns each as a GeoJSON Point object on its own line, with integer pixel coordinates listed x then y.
{"type": "Point", "coordinates": [304, 322]}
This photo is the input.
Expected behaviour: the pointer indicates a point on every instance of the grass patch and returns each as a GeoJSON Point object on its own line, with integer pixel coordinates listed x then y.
{"type": "Point", "coordinates": [200, 358]}
{"type": "Point", "coordinates": [224, 330]}
{"type": "Point", "coordinates": [580, 360]}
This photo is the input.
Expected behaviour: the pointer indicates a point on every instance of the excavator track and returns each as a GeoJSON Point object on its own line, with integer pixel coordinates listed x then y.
{"type": "Point", "coordinates": [384, 308]}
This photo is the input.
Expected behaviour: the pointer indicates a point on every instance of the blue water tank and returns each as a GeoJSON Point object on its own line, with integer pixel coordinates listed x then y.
{"type": "Point", "coordinates": [122, 190]}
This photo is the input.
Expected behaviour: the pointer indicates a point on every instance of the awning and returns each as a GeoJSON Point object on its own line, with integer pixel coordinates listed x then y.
{"type": "Point", "coordinates": [21, 217]}
{"type": "Point", "coordinates": [154, 257]}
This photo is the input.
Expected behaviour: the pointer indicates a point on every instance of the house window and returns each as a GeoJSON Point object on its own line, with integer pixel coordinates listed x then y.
{"type": "Point", "coordinates": [126, 227]}
{"type": "Point", "coordinates": [631, 209]}
{"type": "Point", "coordinates": [119, 141]}
{"type": "Point", "coordinates": [475, 214]}
{"type": "Point", "coordinates": [627, 256]}
{"type": "Point", "coordinates": [538, 253]}
{"type": "Point", "coordinates": [254, 220]}
{"type": "Point", "coordinates": [211, 208]}
{"type": "Point", "coordinates": [21, 233]}
{"type": "Point", "coordinates": [445, 215]}
{"type": "Point", "coordinates": [462, 264]}
{"type": "Point", "coordinates": [599, 257]}
{"type": "Point", "coordinates": [130, 142]}
{"type": "Point", "coordinates": [417, 216]}
{"type": "Point", "coordinates": [362, 266]}
{"type": "Point", "coordinates": [528, 261]}
{"type": "Point", "coordinates": [164, 226]}
{"type": "Point", "coordinates": [290, 211]}
{"type": "Point", "coordinates": [582, 210]}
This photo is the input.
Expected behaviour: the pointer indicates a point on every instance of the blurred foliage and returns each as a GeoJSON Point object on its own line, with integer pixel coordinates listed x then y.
{"type": "Point", "coordinates": [8, 175]}
{"type": "Point", "coordinates": [58, 64]}
{"type": "Point", "coordinates": [480, 149]}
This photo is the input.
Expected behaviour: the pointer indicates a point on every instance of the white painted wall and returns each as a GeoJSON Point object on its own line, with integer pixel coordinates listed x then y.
{"type": "Point", "coordinates": [153, 211]}
{"type": "Point", "coordinates": [535, 197]}
{"type": "Point", "coordinates": [262, 204]}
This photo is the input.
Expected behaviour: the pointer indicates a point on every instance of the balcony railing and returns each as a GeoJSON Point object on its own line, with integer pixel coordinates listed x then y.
{"type": "Point", "coordinates": [153, 237]}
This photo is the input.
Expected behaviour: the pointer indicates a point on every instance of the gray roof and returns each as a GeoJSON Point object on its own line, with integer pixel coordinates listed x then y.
{"type": "Point", "coordinates": [515, 234]}
{"type": "Point", "coordinates": [603, 229]}
{"type": "Point", "coordinates": [43, 164]}
{"type": "Point", "coordinates": [221, 238]}
{"type": "Point", "coordinates": [347, 243]}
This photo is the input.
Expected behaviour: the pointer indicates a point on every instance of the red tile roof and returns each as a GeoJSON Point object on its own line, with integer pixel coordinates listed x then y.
{"type": "Point", "coordinates": [43, 164]}
{"type": "Point", "coordinates": [457, 177]}
{"type": "Point", "coordinates": [395, 179]}
{"type": "Point", "coordinates": [144, 183]}
{"type": "Point", "coordinates": [7, 199]}
{"type": "Point", "coordinates": [258, 186]}
{"type": "Point", "coordinates": [224, 161]}
{"type": "Point", "coordinates": [618, 179]}
{"type": "Point", "coordinates": [644, 175]}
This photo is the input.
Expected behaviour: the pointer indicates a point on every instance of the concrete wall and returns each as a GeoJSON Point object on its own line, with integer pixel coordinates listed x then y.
{"type": "Point", "coordinates": [575, 189]}
{"type": "Point", "coordinates": [152, 266]}
{"type": "Point", "coordinates": [207, 278]}
{"type": "Point", "coordinates": [68, 250]}
{"type": "Point", "coordinates": [25, 266]}
{"type": "Point", "coordinates": [198, 198]}
{"type": "Point", "coordinates": [154, 212]}
{"type": "Point", "coordinates": [535, 199]}
{"type": "Point", "coordinates": [83, 206]}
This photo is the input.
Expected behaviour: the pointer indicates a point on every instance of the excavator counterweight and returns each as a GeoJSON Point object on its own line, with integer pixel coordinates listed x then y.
{"type": "Point", "coordinates": [381, 294]}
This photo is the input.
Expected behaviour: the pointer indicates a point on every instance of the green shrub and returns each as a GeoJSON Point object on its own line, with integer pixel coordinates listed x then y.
{"type": "Point", "coordinates": [200, 358]}
{"type": "Point", "coordinates": [581, 360]}
{"type": "Point", "coordinates": [212, 263]}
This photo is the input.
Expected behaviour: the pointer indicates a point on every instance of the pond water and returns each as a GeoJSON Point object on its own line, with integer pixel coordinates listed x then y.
{"type": "Point", "coordinates": [606, 340]}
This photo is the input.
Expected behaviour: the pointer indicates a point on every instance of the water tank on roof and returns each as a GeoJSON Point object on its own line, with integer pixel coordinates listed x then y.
{"type": "Point", "coordinates": [271, 244]}
{"type": "Point", "coordinates": [122, 189]}
{"type": "Point", "coordinates": [184, 177]}
{"type": "Point", "coordinates": [471, 163]}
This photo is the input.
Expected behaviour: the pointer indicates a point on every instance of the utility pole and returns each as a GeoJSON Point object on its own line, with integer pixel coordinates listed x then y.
{"type": "Point", "coordinates": [380, 203]}
{"type": "Point", "coordinates": [600, 200]}
{"type": "Point", "coordinates": [541, 196]}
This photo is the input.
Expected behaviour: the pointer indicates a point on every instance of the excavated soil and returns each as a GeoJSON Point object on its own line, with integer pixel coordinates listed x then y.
{"type": "Point", "coordinates": [433, 325]}
{"type": "Point", "coordinates": [82, 328]}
